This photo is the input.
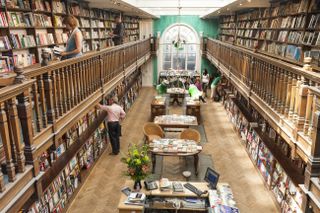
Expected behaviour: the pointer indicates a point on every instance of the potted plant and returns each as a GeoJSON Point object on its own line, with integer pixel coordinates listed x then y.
{"type": "Point", "coordinates": [138, 164]}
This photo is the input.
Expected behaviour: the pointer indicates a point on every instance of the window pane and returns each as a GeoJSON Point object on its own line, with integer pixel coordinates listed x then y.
{"type": "Point", "coordinates": [191, 66]}
{"type": "Point", "coordinates": [191, 57]}
{"type": "Point", "coordinates": [179, 61]}
{"type": "Point", "coordinates": [166, 65]}
{"type": "Point", "coordinates": [167, 56]}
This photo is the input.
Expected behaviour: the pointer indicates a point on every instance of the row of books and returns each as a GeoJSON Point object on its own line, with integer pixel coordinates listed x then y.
{"type": "Point", "coordinates": [59, 7]}
{"type": "Point", "coordinates": [3, 20]}
{"type": "Point", "coordinates": [22, 41]}
{"type": "Point", "coordinates": [44, 38]}
{"type": "Point", "coordinates": [130, 25]}
{"type": "Point", "coordinates": [290, 8]}
{"type": "Point", "coordinates": [84, 22]}
{"type": "Point", "coordinates": [19, 19]}
{"type": "Point", "coordinates": [97, 23]}
{"type": "Point", "coordinates": [4, 43]}
{"type": "Point", "coordinates": [22, 4]}
{"type": "Point", "coordinates": [41, 5]}
{"type": "Point", "coordinates": [9, 60]}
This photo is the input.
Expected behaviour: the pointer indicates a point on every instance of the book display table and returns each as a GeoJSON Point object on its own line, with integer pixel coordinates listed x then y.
{"type": "Point", "coordinates": [175, 93]}
{"type": "Point", "coordinates": [215, 201]}
{"type": "Point", "coordinates": [175, 148]}
{"type": "Point", "coordinates": [193, 108]}
{"type": "Point", "coordinates": [176, 121]}
{"type": "Point", "coordinates": [158, 106]}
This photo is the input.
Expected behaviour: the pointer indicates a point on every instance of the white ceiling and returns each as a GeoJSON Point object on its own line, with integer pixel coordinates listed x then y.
{"type": "Point", "coordinates": [157, 8]}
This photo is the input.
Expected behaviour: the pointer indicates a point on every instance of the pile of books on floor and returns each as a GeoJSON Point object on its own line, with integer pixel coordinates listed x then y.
{"type": "Point", "coordinates": [221, 200]}
{"type": "Point", "coordinates": [175, 145]}
{"type": "Point", "coordinates": [135, 198]}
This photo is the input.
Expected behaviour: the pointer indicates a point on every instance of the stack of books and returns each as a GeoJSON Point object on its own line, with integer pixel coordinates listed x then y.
{"type": "Point", "coordinates": [136, 199]}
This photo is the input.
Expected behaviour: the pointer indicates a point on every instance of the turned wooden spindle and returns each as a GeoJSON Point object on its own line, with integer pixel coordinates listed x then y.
{"type": "Point", "coordinates": [297, 100]}
{"type": "Point", "coordinates": [48, 89]}
{"type": "Point", "coordinates": [288, 94]}
{"type": "Point", "coordinates": [54, 94]}
{"type": "Point", "coordinates": [58, 93]}
{"type": "Point", "coordinates": [5, 136]}
{"type": "Point", "coordinates": [25, 114]}
{"type": "Point", "coordinates": [20, 78]}
{"type": "Point", "coordinates": [308, 111]}
{"type": "Point", "coordinates": [293, 97]}
{"type": "Point", "coordinates": [16, 136]}
{"type": "Point", "coordinates": [37, 120]}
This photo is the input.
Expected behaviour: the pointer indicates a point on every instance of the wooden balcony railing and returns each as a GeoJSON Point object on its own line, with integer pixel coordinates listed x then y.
{"type": "Point", "coordinates": [286, 94]}
{"type": "Point", "coordinates": [36, 113]}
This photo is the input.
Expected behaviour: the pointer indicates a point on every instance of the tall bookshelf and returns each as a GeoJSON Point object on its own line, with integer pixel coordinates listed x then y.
{"type": "Point", "coordinates": [269, 153]}
{"type": "Point", "coordinates": [287, 30]}
{"type": "Point", "coordinates": [28, 27]}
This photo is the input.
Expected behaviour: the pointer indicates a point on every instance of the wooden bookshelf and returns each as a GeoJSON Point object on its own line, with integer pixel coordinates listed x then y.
{"type": "Point", "coordinates": [41, 22]}
{"type": "Point", "coordinates": [269, 153]}
{"type": "Point", "coordinates": [286, 30]}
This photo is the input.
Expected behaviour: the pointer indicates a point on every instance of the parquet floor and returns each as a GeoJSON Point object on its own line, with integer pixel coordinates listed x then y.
{"type": "Point", "coordinates": [101, 192]}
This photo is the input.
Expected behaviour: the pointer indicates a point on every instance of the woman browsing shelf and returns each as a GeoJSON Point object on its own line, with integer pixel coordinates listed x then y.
{"type": "Point", "coordinates": [74, 43]}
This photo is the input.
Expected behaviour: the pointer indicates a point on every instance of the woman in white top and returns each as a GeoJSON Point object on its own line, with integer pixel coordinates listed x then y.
{"type": "Point", "coordinates": [205, 81]}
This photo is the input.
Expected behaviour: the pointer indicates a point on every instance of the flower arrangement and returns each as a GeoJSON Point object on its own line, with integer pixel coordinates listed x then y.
{"type": "Point", "coordinates": [138, 162]}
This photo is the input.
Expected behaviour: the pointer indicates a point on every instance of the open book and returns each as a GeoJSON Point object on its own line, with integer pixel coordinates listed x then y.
{"type": "Point", "coordinates": [57, 50]}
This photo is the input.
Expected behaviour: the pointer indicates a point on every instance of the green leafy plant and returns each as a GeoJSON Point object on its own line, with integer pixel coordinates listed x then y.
{"type": "Point", "coordinates": [138, 162]}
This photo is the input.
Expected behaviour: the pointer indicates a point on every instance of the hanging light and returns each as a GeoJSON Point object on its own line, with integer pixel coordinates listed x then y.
{"type": "Point", "coordinates": [178, 43]}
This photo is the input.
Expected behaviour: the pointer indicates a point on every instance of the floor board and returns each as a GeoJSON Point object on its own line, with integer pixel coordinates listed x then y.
{"type": "Point", "coordinates": [101, 192]}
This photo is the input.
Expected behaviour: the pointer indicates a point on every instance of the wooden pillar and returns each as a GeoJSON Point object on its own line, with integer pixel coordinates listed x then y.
{"type": "Point", "coordinates": [15, 127]}
{"type": "Point", "coordinates": [38, 122]}
{"type": "Point", "coordinates": [308, 111]}
{"type": "Point", "coordinates": [42, 101]}
{"type": "Point", "coordinates": [24, 111]}
{"type": "Point", "coordinates": [5, 136]}
{"type": "Point", "coordinates": [293, 97]}
{"type": "Point", "coordinates": [288, 96]}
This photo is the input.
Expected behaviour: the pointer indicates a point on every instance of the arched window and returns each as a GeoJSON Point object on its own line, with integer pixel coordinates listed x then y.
{"type": "Point", "coordinates": [184, 58]}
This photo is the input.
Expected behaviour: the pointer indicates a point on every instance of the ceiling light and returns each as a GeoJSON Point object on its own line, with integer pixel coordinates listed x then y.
{"type": "Point", "coordinates": [249, 0]}
{"type": "Point", "coordinates": [240, 4]}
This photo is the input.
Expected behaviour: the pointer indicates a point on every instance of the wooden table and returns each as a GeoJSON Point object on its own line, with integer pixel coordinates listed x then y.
{"type": "Point", "coordinates": [158, 106]}
{"type": "Point", "coordinates": [193, 108]}
{"type": "Point", "coordinates": [124, 208]}
{"type": "Point", "coordinates": [176, 93]}
{"type": "Point", "coordinates": [176, 121]}
{"type": "Point", "coordinates": [170, 147]}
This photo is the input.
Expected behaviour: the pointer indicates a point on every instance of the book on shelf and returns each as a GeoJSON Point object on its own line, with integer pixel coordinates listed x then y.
{"type": "Point", "coordinates": [3, 20]}
{"type": "Point", "coordinates": [21, 4]}
{"type": "Point", "coordinates": [58, 21]}
{"type": "Point", "coordinates": [314, 6]}
{"type": "Point", "coordinates": [41, 20]}
{"type": "Point", "coordinates": [21, 59]}
{"type": "Point", "coordinates": [22, 41]}
{"type": "Point", "coordinates": [74, 9]}
{"type": "Point", "coordinates": [84, 22]}
{"type": "Point", "coordinates": [61, 37]}
{"type": "Point", "coordinates": [44, 38]}
{"type": "Point", "coordinates": [5, 65]}
{"type": "Point", "coordinates": [4, 43]}
{"type": "Point", "coordinates": [40, 5]}
{"type": "Point", "coordinates": [58, 7]}
{"type": "Point", "coordinates": [19, 19]}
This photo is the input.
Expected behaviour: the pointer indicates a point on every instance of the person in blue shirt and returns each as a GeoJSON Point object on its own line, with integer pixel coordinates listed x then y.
{"type": "Point", "coordinates": [74, 43]}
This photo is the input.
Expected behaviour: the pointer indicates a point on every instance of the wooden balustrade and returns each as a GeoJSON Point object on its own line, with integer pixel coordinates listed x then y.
{"type": "Point", "coordinates": [288, 90]}
{"type": "Point", "coordinates": [30, 112]}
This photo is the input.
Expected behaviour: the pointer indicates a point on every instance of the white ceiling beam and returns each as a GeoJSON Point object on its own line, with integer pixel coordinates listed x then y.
{"type": "Point", "coordinates": [174, 4]}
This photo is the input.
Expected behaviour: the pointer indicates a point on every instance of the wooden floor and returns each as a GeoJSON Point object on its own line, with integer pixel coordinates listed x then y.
{"type": "Point", "coordinates": [101, 191]}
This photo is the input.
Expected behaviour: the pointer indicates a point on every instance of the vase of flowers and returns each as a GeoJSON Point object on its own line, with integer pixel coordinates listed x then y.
{"type": "Point", "coordinates": [138, 164]}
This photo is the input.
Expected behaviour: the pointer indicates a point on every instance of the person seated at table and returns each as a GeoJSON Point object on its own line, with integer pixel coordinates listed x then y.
{"type": "Point", "coordinates": [195, 93]}
{"type": "Point", "coordinates": [162, 88]}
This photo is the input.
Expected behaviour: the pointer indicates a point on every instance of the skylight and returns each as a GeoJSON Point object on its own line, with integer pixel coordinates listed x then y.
{"type": "Point", "coordinates": [170, 7]}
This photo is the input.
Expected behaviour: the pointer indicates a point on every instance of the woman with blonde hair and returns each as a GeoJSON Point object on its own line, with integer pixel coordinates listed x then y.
{"type": "Point", "coordinates": [74, 43]}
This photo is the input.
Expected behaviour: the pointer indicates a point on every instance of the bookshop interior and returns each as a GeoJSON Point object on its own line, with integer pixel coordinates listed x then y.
{"type": "Point", "coordinates": [159, 106]}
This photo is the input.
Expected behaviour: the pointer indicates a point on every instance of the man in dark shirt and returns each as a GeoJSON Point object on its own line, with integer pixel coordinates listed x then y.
{"type": "Point", "coordinates": [118, 32]}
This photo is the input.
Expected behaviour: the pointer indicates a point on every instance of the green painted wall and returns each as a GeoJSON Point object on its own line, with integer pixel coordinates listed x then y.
{"type": "Point", "coordinates": [209, 27]}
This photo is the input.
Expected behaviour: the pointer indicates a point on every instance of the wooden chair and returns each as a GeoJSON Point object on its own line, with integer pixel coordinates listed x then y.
{"type": "Point", "coordinates": [152, 131]}
{"type": "Point", "coordinates": [190, 134]}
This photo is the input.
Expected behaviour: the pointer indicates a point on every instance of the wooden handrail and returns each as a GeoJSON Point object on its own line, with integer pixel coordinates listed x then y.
{"type": "Point", "coordinates": [33, 113]}
{"type": "Point", "coordinates": [287, 91]}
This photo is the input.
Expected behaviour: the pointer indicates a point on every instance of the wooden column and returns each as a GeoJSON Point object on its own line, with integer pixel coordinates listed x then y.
{"type": "Point", "coordinates": [5, 136]}
{"type": "Point", "coordinates": [24, 111]}
{"type": "Point", "coordinates": [14, 124]}
{"type": "Point", "coordinates": [308, 112]}
{"type": "Point", "coordinates": [293, 97]}
{"type": "Point", "coordinates": [288, 97]}
{"type": "Point", "coordinates": [38, 122]}
{"type": "Point", "coordinates": [42, 101]}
